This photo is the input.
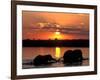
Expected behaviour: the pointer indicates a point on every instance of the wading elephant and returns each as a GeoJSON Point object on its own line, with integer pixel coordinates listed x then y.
{"type": "Point", "coordinates": [73, 56]}
{"type": "Point", "coordinates": [43, 60]}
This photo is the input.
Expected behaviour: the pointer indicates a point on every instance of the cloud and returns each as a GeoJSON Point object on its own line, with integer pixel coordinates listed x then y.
{"type": "Point", "coordinates": [51, 27]}
{"type": "Point", "coordinates": [74, 24]}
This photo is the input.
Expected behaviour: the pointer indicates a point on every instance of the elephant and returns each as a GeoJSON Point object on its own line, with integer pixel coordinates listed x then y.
{"type": "Point", "coordinates": [43, 60]}
{"type": "Point", "coordinates": [73, 56]}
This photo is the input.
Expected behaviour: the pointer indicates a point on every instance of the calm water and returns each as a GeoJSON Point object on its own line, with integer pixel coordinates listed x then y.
{"type": "Point", "coordinates": [30, 53]}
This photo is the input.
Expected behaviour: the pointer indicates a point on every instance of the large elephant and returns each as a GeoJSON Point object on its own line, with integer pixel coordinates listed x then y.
{"type": "Point", "coordinates": [43, 60]}
{"type": "Point", "coordinates": [73, 56]}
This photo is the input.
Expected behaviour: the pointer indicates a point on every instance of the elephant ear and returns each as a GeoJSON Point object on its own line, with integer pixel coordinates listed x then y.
{"type": "Point", "coordinates": [67, 53]}
{"type": "Point", "coordinates": [78, 54]}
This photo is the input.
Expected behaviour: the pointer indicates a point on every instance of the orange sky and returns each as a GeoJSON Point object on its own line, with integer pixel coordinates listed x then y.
{"type": "Point", "coordinates": [43, 25]}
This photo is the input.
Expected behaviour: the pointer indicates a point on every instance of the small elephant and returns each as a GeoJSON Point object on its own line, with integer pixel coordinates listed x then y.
{"type": "Point", "coordinates": [43, 60]}
{"type": "Point", "coordinates": [73, 56]}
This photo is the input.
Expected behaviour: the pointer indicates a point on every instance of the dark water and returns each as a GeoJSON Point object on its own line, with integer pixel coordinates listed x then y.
{"type": "Point", "coordinates": [57, 64]}
{"type": "Point", "coordinates": [29, 53]}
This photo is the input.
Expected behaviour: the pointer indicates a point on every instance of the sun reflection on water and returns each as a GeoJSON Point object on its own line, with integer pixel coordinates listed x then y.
{"type": "Point", "coordinates": [58, 51]}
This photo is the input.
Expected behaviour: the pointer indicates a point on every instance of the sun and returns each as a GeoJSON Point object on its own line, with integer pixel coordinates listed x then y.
{"type": "Point", "coordinates": [57, 35]}
{"type": "Point", "coordinates": [57, 32]}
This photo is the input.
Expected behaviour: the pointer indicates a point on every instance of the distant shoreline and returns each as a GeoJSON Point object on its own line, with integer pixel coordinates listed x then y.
{"type": "Point", "coordinates": [55, 43]}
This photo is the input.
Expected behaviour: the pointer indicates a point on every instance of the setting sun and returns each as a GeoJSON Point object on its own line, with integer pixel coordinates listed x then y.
{"type": "Point", "coordinates": [57, 33]}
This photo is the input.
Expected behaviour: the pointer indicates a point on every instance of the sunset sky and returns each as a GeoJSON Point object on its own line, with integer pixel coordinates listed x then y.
{"type": "Point", "coordinates": [50, 25]}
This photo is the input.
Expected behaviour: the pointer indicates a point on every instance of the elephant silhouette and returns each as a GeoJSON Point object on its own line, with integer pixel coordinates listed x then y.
{"type": "Point", "coordinates": [73, 56]}
{"type": "Point", "coordinates": [43, 60]}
